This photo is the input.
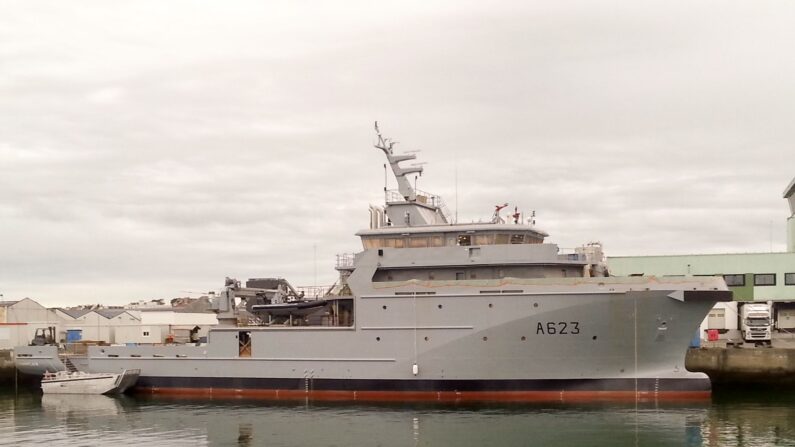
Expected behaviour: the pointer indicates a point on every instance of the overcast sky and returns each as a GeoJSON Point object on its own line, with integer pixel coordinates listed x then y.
{"type": "Point", "coordinates": [148, 149]}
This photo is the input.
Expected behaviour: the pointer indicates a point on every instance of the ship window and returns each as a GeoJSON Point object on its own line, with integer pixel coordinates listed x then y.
{"type": "Point", "coordinates": [734, 280]}
{"type": "Point", "coordinates": [501, 239]}
{"type": "Point", "coordinates": [418, 242]}
{"type": "Point", "coordinates": [765, 279]}
{"type": "Point", "coordinates": [392, 242]}
{"type": "Point", "coordinates": [464, 240]}
{"type": "Point", "coordinates": [437, 241]}
{"type": "Point", "coordinates": [370, 243]}
{"type": "Point", "coordinates": [145, 333]}
{"type": "Point", "coordinates": [459, 276]}
{"type": "Point", "coordinates": [517, 238]}
{"type": "Point", "coordinates": [789, 279]}
{"type": "Point", "coordinates": [484, 239]}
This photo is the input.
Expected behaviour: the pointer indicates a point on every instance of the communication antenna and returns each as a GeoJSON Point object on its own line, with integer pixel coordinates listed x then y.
{"type": "Point", "coordinates": [455, 164]}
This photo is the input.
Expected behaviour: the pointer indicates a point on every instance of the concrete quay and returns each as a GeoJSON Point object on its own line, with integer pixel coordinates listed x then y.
{"type": "Point", "coordinates": [730, 367]}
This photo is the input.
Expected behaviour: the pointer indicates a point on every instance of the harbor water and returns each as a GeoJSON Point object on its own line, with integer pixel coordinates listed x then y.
{"type": "Point", "coordinates": [759, 419]}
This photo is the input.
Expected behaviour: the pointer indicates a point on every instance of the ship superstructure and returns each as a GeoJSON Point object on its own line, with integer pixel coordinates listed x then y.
{"type": "Point", "coordinates": [436, 309]}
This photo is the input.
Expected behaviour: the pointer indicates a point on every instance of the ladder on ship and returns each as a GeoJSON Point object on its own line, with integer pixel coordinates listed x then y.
{"type": "Point", "coordinates": [69, 365]}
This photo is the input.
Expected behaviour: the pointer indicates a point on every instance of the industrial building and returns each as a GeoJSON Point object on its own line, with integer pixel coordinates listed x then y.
{"type": "Point", "coordinates": [19, 321]}
{"type": "Point", "coordinates": [751, 276]}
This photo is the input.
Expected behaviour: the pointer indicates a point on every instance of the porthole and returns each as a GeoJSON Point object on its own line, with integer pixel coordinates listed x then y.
{"type": "Point", "coordinates": [535, 304]}
{"type": "Point", "coordinates": [439, 306]}
{"type": "Point", "coordinates": [491, 305]}
{"type": "Point", "coordinates": [426, 338]}
{"type": "Point", "coordinates": [593, 338]}
{"type": "Point", "coordinates": [383, 307]}
{"type": "Point", "coordinates": [377, 338]}
{"type": "Point", "coordinates": [485, 338]}
{"type": "Point", "coordinates": [524, 338]}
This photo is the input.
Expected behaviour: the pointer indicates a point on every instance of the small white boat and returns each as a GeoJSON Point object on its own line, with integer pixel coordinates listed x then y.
{"type": "Point", "coordinates": [78, 382]}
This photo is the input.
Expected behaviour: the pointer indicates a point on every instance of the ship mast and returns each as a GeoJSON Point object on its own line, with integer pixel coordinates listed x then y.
{"type": "Point", "coordinates": [404, 185]}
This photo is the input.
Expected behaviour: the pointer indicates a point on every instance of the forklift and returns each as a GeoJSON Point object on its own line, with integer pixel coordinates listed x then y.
{"type": "Point", "coordinates": [44, 336]}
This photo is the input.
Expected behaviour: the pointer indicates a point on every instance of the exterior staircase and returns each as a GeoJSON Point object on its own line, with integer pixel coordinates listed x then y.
{"type": "Point", "coordinates": [69, 365]}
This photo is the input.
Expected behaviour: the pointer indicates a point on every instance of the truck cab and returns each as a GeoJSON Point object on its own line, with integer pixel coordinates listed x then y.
{"type": "Point", "coordinates": [756, 322]}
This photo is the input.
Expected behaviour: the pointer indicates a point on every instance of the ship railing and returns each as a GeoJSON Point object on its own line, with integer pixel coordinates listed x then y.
{"type": "Point", "coordinates": [424, 197]}
{"type": "Point", "coordinates": [314, 292]}
{"type": "Point", "coordinates": [345, 260]}
{"type": "Point", "coordinates": [570, 254]}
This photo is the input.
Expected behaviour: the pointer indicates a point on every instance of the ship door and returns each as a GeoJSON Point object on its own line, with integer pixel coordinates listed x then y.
{"type": "Point", "coordinates": [244, 343]}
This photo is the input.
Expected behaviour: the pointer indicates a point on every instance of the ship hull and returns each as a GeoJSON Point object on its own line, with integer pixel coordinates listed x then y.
{"type": "Point", "coordinates": [562, 390]}
{"type": "Point", "coordinates": [573, 340]}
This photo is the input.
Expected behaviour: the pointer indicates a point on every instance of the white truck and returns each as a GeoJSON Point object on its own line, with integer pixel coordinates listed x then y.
{"type": "Point", "coordinates": [756, 322]}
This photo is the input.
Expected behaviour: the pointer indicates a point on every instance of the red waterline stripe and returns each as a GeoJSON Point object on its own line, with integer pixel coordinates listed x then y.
{"type": "Point", "coordinates": [441, 396]}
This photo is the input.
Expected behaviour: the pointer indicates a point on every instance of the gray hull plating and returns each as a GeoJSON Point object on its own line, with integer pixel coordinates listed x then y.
{"type": "Point", "coordinates": [587, 333]}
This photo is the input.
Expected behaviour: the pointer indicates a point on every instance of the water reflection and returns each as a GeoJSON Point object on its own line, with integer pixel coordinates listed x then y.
{"type": "Point", "coordinates": [757, 420]}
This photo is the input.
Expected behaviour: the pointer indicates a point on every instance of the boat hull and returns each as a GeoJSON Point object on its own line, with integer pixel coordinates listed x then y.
{"type": "Point", "coordinates": [88, 383]}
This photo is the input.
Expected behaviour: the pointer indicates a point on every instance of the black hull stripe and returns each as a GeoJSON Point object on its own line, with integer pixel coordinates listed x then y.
{"type": "Point", "coordinates": [564, 385]}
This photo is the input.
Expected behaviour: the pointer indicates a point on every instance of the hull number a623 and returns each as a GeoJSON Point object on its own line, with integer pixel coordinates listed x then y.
{"type": "Point", "coordinates": [558, 328]}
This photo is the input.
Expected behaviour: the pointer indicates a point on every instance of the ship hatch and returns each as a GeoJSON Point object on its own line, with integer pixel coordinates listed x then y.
{"type": "Point", "coordinates": [244, 343]}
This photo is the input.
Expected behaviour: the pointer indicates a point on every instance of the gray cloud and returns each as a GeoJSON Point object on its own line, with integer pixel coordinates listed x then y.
{"type": "Point", "coordinates": [148, 148]}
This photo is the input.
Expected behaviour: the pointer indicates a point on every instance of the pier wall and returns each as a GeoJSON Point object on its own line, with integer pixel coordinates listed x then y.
{"type": "Point", "coordinates": [6, 367]}
{"type": "Point", "coordinates": [737, 366]}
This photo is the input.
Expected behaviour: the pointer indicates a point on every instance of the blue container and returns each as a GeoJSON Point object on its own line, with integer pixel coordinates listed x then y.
{"type": "Point", "coordinates": [696, 341]}
{"type": "Point", "coordinates": [74, 335]}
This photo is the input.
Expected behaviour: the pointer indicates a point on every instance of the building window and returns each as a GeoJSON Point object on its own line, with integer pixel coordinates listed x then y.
{"type": "Point", "coordinates": [789, 279]}
{"type": "Point", "coordinates": [734, 280]}
{"type": "Point", "coordinates": [765, 279]}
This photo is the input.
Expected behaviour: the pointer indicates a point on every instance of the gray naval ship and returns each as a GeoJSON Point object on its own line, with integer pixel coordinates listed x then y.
{"type": "Point", "coordinates": [440, 310]}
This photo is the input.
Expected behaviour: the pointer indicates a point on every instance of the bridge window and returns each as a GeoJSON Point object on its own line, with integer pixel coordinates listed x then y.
{"type": "Point", "coordinates": [418, 242]}
{"type": "Point", "coordinates": [517, 238]}
{"type": "Point", "coordinates": [464, 240]}
{"type": "Point", "coordinates": [484, 239]}
{"type": "Point", "coordinates": [501, 239]}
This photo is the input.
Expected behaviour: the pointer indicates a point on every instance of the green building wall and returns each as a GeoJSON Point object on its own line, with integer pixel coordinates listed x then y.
{"type": "Point", "coordinates": [746, 264]}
